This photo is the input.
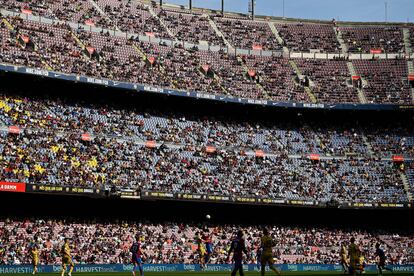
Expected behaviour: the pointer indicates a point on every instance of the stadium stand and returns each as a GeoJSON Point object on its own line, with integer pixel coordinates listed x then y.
{"type": "Point", "coordinates": [389, 143]}
{"type": "Point", "coordinates": [330, 79]}
{"type": "Point", "coordinates": [74, 11]}
{"type": "Point", "coordinates": [276, 77]}
{"type": "Point", "coordinates": [410, 175]}
{"type": "Point", "coordinates": [175, 242]}
{"type": "Point", "coordinates": [411, 37]}
{"type": "Point", "coordinates": [165, 64]}
{"type": "Point", "coordinates": [180, 160]}
{"type": "Point", "coordinates": [133, 17]}
{"type": "Point", "coordinates": [59, 140]}
{"type": "Point", "coordinates": [219, 132]}
{"type": "Point", "coordinates": [248, 34]}
{"type": "Point", "coordinates": [385, 80]}
{"type": "Point", "coordinates": [12, 53]}
{"type": "Point", "coordinates": [364, 39]}
{"type": "Point", "coordinates": [193, 28]}
{"type": "Point", "coordinates": [299, 37]}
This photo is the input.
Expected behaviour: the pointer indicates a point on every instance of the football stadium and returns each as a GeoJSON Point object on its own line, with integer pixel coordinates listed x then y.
{"type": "Point", "coordinates": [176, 138]}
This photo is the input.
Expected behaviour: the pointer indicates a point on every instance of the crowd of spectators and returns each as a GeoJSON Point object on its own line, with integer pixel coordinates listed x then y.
{"type": "Point", "coordinates": [190, 27]}
{"type": "Point", "coordinates": [49, 150]}
{"type": "Point", "coordinates": [133, 17]}
{"type": "Point", "coordinates": [65, 114]}
{"type": "Point", "coordinates": [386, 80]}
{"type": "Point", "coordinates": [277, 78]}
{"type": "Point", "coordinates": [392, 140]}
{"type": "Point", "coordinates": [55, 125]}
{"type": "Point", "coordinates": [139, 17]}
{"type": "Point", "coordinates": [109, 162]}
{"type": "Point", "coordinates": [12, 53]}
{"type": "Point", "coordinates": [411, 30]}
{"type": "Point", "coordinates": [410, 175]}
{"type": "Point", "coordinates": [367, 38]}
{"type": "Point", "coordinates": [248, 34]}
{"type": "Point", "coordinates": [100, 243]}
{"type": "Point", "coordinates": [100, 54]}
{"type": "Point", "coordinates": [82, 11]}
{"type": "Point", "coordinates": [300, 37]}
{"type": "Point", "coordinates": [331, 80]}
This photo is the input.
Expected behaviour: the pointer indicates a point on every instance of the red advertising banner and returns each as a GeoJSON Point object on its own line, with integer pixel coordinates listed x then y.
{"type": "Point", "coordinates": [86, 137]}
{"type": "Point", "coordinates": [251, 73]}
{"type": "Point", "coordinates": [16, 187]}
{"type": "Point", "coordinates": [25, 38]}
{"type": "Point", "coordinates": [90, 50]}
{"type": "Point", "coordinates": [14, 129]}
{"type": "Point", "coordinates": [150, 144]}
{"type": "Point", "coordinates": [151, 34]}
{"type": "Point", "coordinates": [314, 156]}
{"type": "Point", "coordinates": [398, 158]}
{"type": "Point", "coordinates": [205, 67]}
{"type": "Point", "coordinates": [257, 47]}
{"type": "Point", "coordinates": [376, 51]}
{"type": "Point", "coordinates": [411, 77]}
{"type": "Point", "coordinates": [356, 77]}
{"type": "Point", "coordinates": [89, 22]}
{"type": "Point", "coordinates": [210, 149]}
{"type": "Point", "coordinates": [259, 153]}
{"type": "Point", "coordinates": [26, 11]}
{"type": "Point", "coordinates": [151, 60]}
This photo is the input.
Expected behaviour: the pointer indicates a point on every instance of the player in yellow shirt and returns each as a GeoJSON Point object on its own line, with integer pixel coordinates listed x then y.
{"type": "Point", "coordinates": [354, 254]}
{"type": "Point", "coordinates": [201, 250]}
{"type": "Point", "coordinates": [361, 263]}
{"type": "Point", "coordinates": [34, 252]}
{"type": "Point", "coordinates": [344, 258]}
{"type": "Point", "coordinates": [267, 254]}
{"type": "Point", "coordinates": [66, 258]}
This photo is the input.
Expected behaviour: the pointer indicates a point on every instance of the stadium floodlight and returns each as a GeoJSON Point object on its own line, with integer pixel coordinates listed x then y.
{"type": "Point", "coordinates": [252, 4]}
{"type": "Point", "coordinates": [386, 11]}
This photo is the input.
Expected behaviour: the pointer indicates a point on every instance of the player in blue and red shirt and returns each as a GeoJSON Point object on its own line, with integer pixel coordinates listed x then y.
{"type": "Point", "coordinates": [136, 256]}
{"type": "Point", "coordinates": [382, 258]}
{"type": "Point", "coordinates": [259, 252]}
{"type": "Point", "coordinates": [238, 247]}
{"type": "Point", "coordinates": [208, 242]}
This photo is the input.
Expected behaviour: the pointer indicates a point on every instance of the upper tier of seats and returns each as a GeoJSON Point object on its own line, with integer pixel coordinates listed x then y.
{"type": "Point", "coordinates": [203, 26]}
{"type": "Point", "coordinates": [61, 48]}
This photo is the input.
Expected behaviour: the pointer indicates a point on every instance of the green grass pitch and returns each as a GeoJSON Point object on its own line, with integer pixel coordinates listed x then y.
{"type": "Point", "coordinates": [255, 273]}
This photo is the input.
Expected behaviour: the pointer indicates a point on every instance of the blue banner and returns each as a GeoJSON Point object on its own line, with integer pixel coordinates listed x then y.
{"type": "Point", "coordinates": [14, 269]}
{"type": "Point", "coordinates": [194, 94]}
